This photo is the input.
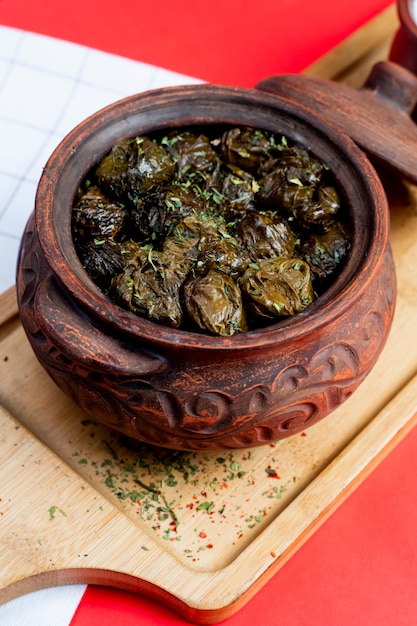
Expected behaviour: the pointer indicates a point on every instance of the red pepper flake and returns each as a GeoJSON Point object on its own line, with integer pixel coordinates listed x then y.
{"type": "Point", "coordinates": [272, 473]}
{"type": "Point", "coordinates": [202, 535]}
{"type": "Point", "coordinates": [304, 434]}
{"type": "Point", "coordinates": [273, 555]}
{"type": "Point", "coordinates": [210, 546]}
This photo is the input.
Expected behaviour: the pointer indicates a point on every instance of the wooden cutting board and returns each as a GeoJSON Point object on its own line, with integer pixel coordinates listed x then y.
{"type": "Point", "coordinates": [200, 532]}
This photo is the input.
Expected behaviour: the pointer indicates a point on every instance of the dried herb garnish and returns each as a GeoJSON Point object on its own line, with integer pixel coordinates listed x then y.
{"type": "Point", "coordinates": [190, 498]}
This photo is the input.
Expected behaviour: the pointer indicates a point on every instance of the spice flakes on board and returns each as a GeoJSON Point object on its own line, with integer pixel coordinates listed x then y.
{"type": "Point", "coordinates": [192, 500]}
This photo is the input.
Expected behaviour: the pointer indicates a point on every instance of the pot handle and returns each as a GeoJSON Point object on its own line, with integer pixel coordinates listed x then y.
{"type": "Point", "coordinates": [377, 116]}
{"type": "Point", "coordinates": [394, 84]}
{"type": "Point", "coordinates": [82, 340]}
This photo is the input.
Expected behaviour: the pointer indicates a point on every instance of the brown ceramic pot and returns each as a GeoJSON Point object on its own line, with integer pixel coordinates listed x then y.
{"type": "Point", "coordinates": [189, 391]}
{"type": "Point", "coordinates": [404, 45]}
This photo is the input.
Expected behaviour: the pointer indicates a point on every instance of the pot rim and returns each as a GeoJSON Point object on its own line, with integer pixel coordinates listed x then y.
{"type": "Point", "coordinates": [56, 242]}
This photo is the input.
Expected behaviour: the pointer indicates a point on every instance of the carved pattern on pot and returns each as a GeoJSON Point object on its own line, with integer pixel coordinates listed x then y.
{"type": "Point", "coordinates": [140, 406]}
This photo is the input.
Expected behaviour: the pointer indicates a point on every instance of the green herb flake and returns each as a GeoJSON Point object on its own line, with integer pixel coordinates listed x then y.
{"type": "Point", "coordinates": [206, 506]}
{"type": "Point", "coordinates": [52, 512]}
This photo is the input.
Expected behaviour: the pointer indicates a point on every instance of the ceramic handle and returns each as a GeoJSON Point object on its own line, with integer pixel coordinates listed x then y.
{"type": "Point", "coordinates": [84, 341]}
{"type": "Point", "coordinates": [394, 84]}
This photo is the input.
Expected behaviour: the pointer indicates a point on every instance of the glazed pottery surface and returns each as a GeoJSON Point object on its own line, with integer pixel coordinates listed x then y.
{"type": "Point", "coordinates": [185, 390]}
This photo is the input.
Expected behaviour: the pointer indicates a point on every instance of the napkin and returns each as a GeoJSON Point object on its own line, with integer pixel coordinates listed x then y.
{"type": "Point", "coordinates": [48, 86]}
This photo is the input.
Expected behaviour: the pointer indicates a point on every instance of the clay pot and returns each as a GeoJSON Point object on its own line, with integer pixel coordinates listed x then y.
{"type": "Point", "coordinates": [404, 46]}
{"type": "Point", "coordinates": [185, 390]}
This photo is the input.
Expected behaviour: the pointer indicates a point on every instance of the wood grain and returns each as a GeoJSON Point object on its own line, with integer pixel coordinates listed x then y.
{"type": "Point", "coordinates": [8, 309]}
{"type": "Point", "coordinates": [65, 517]}
{"type": "Point", "coordinates": [199, 532]}
{"type": "Point", "coordinates": [351, 60]}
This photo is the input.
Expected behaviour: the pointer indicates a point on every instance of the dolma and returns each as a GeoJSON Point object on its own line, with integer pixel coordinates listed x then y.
{"type": "Point", "coordinates": [214, 303]}
{"type": "Point", "coordinates": [277, 287]}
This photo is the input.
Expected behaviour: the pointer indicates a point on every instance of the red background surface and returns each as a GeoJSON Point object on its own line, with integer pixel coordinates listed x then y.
{"type": "Point", "coordinates": [221, 41]}
{"type": "Point", "coordinates": [360, 567]}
